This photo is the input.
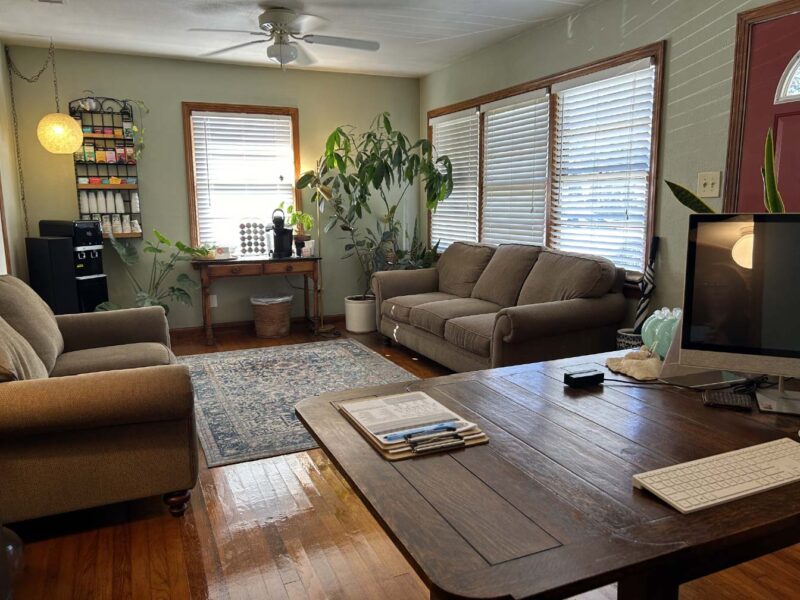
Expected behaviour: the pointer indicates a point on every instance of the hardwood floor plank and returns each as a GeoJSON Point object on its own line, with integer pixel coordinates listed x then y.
{"type": "Point", "coordinates": [292, 528]}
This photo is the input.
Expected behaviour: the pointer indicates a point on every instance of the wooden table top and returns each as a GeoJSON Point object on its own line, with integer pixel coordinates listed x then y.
{"type": "Point", "coordinates": [547, 508]}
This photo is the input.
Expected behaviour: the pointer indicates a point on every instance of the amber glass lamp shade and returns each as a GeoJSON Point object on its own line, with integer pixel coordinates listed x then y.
{"type": "Point", "coordinates": [59, 133]}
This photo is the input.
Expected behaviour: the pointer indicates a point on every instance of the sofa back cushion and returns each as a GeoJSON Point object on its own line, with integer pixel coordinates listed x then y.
{"type": "Point", "coordinates": [25, 311]}
{"type": "Point", "coordinates": [18, 360]}
{"type": "Point", "coordinates": [503, 277]}
{"type": "Point", "coordinates": [564, 276]}
{"type": "Point", "coordinates": [460, 267]}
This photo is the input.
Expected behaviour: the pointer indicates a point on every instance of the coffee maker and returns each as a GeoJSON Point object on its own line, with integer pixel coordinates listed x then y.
{"type": "Point", "coordinates": [65, 265]}
{"type": "Point", "coordinates": [282, 248]}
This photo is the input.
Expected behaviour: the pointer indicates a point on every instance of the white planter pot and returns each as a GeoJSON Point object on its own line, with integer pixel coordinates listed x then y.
{"type": "Point", "coordinates": [359, 314]}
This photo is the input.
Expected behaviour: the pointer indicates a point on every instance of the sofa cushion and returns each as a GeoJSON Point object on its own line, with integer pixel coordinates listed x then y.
{"type": "Point", "coordinates": [460, 267]}
{"type": "Point", "coordinates": [399, 308]}
{"type": "Point", "coordinates": [433, 315]}
{"type": "Point", "coordinates": [113, 358]}
{"type": "Point", "coordinates": [18, 360]}
{"type": "Point", "coordinates": [26, 312]}
{"type": "Point", "coordinates": [472, 333]}
{"type": "Point", "coordinates": [503, 277]}
{"type": "Point", "coordinates": [564, 276]}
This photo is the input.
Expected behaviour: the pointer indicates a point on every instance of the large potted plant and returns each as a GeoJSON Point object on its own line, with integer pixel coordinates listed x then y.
{"type": "Point", "coordinates": [380, 163]}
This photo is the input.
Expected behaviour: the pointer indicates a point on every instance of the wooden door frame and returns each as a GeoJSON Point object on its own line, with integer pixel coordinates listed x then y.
{"type": "Point", "coordinates": [745, 23]}
{"type": "Point", "coordinates": [4, 231]}
{"type": "Point", "coordinates": [188, 108]}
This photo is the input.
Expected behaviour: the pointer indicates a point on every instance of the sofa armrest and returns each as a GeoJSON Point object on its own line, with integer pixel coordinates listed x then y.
{"type": "Point", "coordinates": [114, 328]}
{"type": "Point", "coordinates": [531, 321]}
{"type": "Point", "coordinates": [95, 400]}
{"type": "Point", "coordinates": [389, 284]}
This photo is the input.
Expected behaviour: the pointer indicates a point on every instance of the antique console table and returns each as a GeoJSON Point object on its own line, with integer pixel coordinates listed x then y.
{"type": "Point", "coordinates": [211, 270]}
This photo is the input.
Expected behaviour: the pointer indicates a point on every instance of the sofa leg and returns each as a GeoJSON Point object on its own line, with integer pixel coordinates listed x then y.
{"type": "Point", "coordinates": [387, 341]}
{"type": "Point", "coordinates": [178, 502]}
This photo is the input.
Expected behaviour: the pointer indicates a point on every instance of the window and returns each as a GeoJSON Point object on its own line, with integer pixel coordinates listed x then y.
{"type": "Point", "coordinates": [602, 168]}
{"type": "Point", "coordinates": [789, 86]}
{"type": "Point", "coordinates": [565, 162]}
{"type": "Point", "coordinates": [457, 136]}
{"type": "Point", "coordinates": [241, 164]}
{"type": "Point", "coordinates": [515, 170]}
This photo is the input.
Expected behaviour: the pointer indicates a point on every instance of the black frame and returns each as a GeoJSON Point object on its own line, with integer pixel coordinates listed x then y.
{"type": "Point", "coordinates": [688, 289]}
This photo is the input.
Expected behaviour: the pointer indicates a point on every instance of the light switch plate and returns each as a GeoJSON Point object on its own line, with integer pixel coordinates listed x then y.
{"type": "Point", "coordinates": [708, 184]}
{"type": "Point", "coordinates": [212, 300]}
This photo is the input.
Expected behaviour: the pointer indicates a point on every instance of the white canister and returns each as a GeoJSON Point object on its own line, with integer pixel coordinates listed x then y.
{"type": "Point", "coordinates": [116, 224]}
{"type": "Point", "coordinates": [83, 198]}
{"type": "Point", "coordinates": [110, 201]}
{"type": "Point", "coordinates": [119, 204]}
{"type": "Point", "coordinates": [93, 203]}
{"type": "Point", "coordinates": [135, 208]}
{"type": "Point", "coordinates": [126, 223]}
{"type": "Point", "coordinates": [101, 202]}
{"type": "Point", "coordinates": [135, 227]}
{"type": "Point", "coordinates": [106, 224]}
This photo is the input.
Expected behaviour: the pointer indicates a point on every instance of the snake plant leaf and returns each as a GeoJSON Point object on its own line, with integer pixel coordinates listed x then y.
{"type": "Point", "coordinates": [688, 198]}
{"type": "Point", "coordinates": [772, 197]}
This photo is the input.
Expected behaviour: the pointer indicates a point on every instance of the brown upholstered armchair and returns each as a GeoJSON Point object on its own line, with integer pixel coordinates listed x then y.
{"type": "Point", "coordinates": [93, 409]}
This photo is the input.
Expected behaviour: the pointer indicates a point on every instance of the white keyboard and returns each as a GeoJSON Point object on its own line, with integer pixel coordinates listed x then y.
{"type": "Point", "coordinates": [707, 482]}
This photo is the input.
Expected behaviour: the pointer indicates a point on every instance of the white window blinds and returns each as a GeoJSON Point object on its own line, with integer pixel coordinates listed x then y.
{"type": "Point", "coordinates": [243, 169]}
{"type": "Point", "coordinates": [515, 172]}
{"type": "Point", "coordinates": [457, 217]}
{"type": "Point", "coordinates": [602, 166]}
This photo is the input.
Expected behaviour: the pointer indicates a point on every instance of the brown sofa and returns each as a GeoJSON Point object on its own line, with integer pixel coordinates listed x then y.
{"type": "Point", "coordinates": [93, 409]}
{"type": "Point", "coordinates": [484, 306]}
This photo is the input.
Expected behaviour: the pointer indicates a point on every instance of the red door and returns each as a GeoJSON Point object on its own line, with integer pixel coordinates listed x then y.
{"type": "Point", "coordinates": [773, 54]}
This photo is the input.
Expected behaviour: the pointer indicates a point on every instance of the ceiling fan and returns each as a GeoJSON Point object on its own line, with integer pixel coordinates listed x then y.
{"type": "Point", "coordinates": [285, 27]}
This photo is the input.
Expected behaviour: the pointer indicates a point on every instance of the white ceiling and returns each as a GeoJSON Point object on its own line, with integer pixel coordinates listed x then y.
{"type": "Point", "coordinates": [416, 36]}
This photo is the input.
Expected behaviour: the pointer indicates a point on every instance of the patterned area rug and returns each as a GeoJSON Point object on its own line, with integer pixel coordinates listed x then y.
{"type": "Point", "coordinates": [245, 399]}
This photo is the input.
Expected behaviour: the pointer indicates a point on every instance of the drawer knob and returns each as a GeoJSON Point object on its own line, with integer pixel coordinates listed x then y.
{"type": "Point", "coordinates": [236, 270]}
{"type": "Point", "coordinates": [289, 268]}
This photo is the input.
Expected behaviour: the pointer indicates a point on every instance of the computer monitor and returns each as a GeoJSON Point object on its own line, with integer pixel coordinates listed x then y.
{"type": "Point", "coordinates": [741, 309]}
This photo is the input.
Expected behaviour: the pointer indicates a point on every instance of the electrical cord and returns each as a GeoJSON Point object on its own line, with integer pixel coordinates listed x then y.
{"type": "Point", "coordinates": [746, 387]}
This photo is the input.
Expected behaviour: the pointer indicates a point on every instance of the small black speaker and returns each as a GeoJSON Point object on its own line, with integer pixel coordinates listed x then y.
{"type": "Point", "coordinates": [51, 271]}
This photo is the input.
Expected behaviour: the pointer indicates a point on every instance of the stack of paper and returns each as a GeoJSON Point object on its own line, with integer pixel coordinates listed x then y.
{"type": "Point", "coordinates": [410, 424]}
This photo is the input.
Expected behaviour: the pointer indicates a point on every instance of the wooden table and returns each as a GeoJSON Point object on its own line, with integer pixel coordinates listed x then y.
{"type": "Point", "coordinates": [547, 509]}
{"type": "Point", "coordinates": [211, 270]}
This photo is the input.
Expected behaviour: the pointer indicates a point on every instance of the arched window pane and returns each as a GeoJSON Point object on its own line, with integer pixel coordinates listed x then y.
{"type": "Point", "coordinates": [789, 87]}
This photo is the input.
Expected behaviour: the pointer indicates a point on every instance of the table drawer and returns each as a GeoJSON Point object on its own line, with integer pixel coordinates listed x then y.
{"type": "Point", "coordinates": [234, 270]}
{"type": "Point", "coordinates": [289, 267]}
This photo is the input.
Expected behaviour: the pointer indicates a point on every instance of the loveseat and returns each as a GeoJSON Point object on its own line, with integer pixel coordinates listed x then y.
{"type": "Point", "coordinates": [93, 409]}
{"type": "Point", "coordinates": [485, 306]}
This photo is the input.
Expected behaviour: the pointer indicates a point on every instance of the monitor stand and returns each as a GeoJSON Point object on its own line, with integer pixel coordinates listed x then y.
{"type": "Point", "coordinates": [779, 400]}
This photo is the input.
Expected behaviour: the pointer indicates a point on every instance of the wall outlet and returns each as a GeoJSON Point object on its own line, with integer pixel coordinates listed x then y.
{"type": "Point", "coordinates": [212, 300]}
{"type": "Point", "coordinates": [708, 184]}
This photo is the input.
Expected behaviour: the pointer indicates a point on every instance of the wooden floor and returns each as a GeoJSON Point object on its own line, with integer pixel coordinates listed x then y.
{"type": "Point", "coordinates": [284, 528]}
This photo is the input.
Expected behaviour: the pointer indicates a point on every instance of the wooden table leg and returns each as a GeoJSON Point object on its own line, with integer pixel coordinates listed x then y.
{"type": "Point", "coordinates": [652, 586]}
{"type": "Point", "coordinates": [205, 284]}
{"type": "Point", "coordinates": [305, 302]}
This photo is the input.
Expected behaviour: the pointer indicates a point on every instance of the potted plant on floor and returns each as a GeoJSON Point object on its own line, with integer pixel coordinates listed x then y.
{"type": "Point", "coordinates": [381, 163]}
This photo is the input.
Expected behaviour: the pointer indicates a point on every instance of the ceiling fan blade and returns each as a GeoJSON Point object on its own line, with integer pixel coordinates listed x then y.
{"type": "Point", "coordinates": [227, 31]}
{"type": "Point", "coordinates": [304, 57]}
{"type": "Point", "coordinates": [236, 47]}
{"type": "Point", "coordinates": [329, 40]}
{"type": "Point", "coordinates": [304, 24]}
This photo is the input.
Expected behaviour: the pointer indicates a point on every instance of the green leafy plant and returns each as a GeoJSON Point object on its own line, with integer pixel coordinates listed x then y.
{"type": "Point", "coordinates": [772, 196]}
{"type": "Point", "coordinates": [296, 217]}
{"type": "Point", "coordinates": [380, 162]}
{"type": "Point", "coordinates": [155, 291]}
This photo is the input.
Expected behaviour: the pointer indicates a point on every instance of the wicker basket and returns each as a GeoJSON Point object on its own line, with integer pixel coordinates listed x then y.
{"type": "Point", "coordinates": [272, 316]}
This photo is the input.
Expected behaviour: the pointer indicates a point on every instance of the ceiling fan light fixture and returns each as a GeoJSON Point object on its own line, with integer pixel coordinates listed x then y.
{"type": "Point", "coordinates": [282, 53]}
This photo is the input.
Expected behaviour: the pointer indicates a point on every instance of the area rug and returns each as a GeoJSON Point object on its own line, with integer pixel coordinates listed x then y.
{"type": "Point", "coordinates": [244, 400]}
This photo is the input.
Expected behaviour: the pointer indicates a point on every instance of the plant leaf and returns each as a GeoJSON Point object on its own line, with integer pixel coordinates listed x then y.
{"type": "Point", "coordinates": [161, 238]}
{"type": "Point", "coordinates": [772, 196]}
{"type": "Point", "coordinates": [688, 198]}
{"type": "Point", "coordinates": [186, 281]}
{"type": "Point", "coordinates": [106, 306]}
{"type": "Point", "coordinates": [126, 252]}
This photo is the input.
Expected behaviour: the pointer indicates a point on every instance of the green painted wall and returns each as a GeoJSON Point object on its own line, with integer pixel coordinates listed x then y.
{"type": "Point", "coordinates": [324, 100]}
{"type": "Point", "coordinates": [697, 88]}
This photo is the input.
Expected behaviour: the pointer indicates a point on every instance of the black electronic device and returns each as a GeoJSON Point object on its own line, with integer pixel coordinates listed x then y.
{"type": "Point", "coordinates": [65, 265]}
{"type": "Point", "coordinates": [739, 401]}
{"type": "Point", "coordinates": [584, 378]}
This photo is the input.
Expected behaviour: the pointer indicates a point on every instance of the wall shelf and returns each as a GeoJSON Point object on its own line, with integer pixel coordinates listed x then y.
{"type": "Point", "coordinates": [97, 117]}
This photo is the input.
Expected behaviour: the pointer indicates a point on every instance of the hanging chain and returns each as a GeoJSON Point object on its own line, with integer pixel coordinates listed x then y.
{"type": "Point", "coordinates": [12, 71]}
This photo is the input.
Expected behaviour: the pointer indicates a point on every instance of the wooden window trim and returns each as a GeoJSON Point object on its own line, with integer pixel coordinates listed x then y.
{"type": "Point", "coordinates": [656, 52]}
{"type": "Point", "coordinates": [188, 108]}
{"type": "Point", "coordinates": [745, 23]}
